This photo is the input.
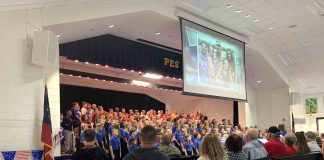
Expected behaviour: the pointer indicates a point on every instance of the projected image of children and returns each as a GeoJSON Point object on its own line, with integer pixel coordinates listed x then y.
{"type": "Point", "coordinates": [203, 62]}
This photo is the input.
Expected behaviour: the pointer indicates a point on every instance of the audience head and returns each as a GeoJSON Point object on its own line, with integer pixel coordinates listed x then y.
{"type": "Point", "coordinates": [310, 136]}
{"type": "Point", "coordinates": [234, 143]}
{"type": "Point", "coordinates": [212, 148]}
{"type": "Point", "coordinates": [148, 136]}
{"type": "Point", "coordinates": [89, 137]}
{"type": "Point", "coordinates": [301, 144]}
{"type": "Point", "coordinates": [68, 114]}
{"type": "Point", "coordinates": [290, 140]}
{"type": "Point", "coordinates": [166, 139]}
{"type": "Point", "coordinates": [282, 127]}
{"type": "Point", "coordinates": [273, 132]}
{"type": "Point", "coordinates": [251, 134]}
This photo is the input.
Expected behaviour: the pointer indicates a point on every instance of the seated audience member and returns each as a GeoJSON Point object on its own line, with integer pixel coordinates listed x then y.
{"type": "Point", "coordinates": [274, 146]}
{"type": "Point", "coordinates": [282, 129]}
{"type": "Point", "coordinates": [301, 144]}
{"type": "Point", "coordinates": [253, 148]}
{"type": "Point", "coordinates": [290, 141]}
{"type": "Point", "coordinates": [211, 148]}
{"type": "Point", "coordinates": [90, 151]}
{"type": "Point", "coordinates": [234, 145]}
{"type": "Point", "coordinates": [167, 148]}
{"type": "Point", "coordinates": [318, 139]}
{"type": "Point", "coordinates": [311, 141]}
{"type": "Point", "coordinates": [148, 149]}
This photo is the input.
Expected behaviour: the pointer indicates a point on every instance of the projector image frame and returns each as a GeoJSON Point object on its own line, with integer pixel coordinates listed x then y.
{"type": "Point", "coordinates": [239, 85]}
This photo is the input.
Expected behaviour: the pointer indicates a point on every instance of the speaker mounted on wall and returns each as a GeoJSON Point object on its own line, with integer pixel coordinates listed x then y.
{"type": "Point", "coordinates": [45, 49]}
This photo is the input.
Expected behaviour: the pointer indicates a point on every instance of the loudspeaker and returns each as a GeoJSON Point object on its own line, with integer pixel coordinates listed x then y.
{"type": "Point", "coordinates": [45, 49]}
{"type": "Point", "coordinates": [295, 98]}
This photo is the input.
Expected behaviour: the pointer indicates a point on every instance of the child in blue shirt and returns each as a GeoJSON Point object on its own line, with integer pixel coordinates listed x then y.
{"type": "Point", "coordinates": [132, 141]}
{"type": "Point", "coordinates": [188, 145]}
{"type": "Point", "coordinates": [115, 145]}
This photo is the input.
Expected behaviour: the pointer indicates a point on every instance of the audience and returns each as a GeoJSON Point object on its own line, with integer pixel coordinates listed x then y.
{"type": "Point", "coordinates": [140, 134]}
{"type": "Point", "coordinates": [234, 145]}
{"type": "Point", "coordinates": [282, 129]}
{"type": "Point", "coordinates": [253, 148]}
{"type": "Point", "coordinates": [167, 148]}
{"type": "Point", "coordinates": [90, 151]}
{"type": "Point", "coordinates": [311, 142]}
{"type": "Point", "coordinates": [290, 141]}
{"type": "Point", "coordinates": [148, 149]}
{"type": "Point", "coordinates": [211, 148]}
{"type": "Point", "coordinates": [301, 144]}
{"type": "Point", "coordinates": [274, 147]}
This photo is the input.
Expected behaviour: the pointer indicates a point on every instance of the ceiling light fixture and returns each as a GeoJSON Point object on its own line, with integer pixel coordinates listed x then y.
{"type": "Point", "coordinates": [270, 27]}
{"type": "Point", "coordinates": [141, 83]}
{"type": "Point", "coordinates": [247, 16]}
{"type": "Point", "coordinates": [58, 36]}
{"type": "Point", "coordinates": [229, 6]}
{"type": "Point", "coordinates": [256, 20]}
{"type": "Point", "coordinates": [111, 26]}
{"type": "Point", "coordinates": [152, 76]}
{"type": "Point", "coordinates": [157, 33]}
{"type": "Point", "coordinates": [238, 11]}
{"type": "Point", "coordinates": [258, 81]}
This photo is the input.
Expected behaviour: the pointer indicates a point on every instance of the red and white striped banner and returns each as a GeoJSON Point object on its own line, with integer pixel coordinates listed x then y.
{"type": "Point", "coordinates": [23, 155]}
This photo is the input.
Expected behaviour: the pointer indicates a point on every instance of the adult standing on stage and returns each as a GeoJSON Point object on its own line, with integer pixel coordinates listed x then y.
{"type": "Point", "coordinates": [67, 124]}
{"type": "Point", "coordinates": [76, 118]}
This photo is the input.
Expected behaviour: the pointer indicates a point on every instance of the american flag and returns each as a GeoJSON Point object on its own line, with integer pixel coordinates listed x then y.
{"type": "Point", "coordinates": [23, 155]}
{"type": "Point", "coordinates": [46, 137]}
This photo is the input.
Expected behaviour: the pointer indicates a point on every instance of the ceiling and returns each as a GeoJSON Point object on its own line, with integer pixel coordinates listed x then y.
{"type": "Point", "coordinates": [10, 5]}
{"type": "Point", "coordinates": [294, 53]}
{"type": "Point", "coordinates": [297, 52]}
{"type": "Point", "coordinates": [128, 26]}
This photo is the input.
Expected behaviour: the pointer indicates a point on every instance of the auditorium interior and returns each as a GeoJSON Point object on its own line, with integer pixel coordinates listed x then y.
{"type": "Point", "coordinates": [235, 64]}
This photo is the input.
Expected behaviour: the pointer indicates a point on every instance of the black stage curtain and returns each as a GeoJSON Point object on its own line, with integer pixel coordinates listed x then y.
{"type": "Point", "coordinates": [123, 53]}
{"type": "Point", "coordinates": [235, 113]}
{"type": "Point", "coordinates": [107, 98]}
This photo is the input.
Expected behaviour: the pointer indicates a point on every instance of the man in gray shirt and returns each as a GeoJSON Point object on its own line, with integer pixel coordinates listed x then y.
{"type": "Point", "coordinates": [311, 141]}
{"type": "Point", "coordinates": [253, 148]}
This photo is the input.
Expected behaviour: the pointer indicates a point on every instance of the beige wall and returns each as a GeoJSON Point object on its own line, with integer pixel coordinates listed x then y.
{"type": "Point", "coordinates": [22, 86]}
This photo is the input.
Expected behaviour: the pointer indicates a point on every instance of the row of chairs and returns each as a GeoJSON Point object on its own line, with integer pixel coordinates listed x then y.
{"type": "Point", "coordinates": [307, 156]}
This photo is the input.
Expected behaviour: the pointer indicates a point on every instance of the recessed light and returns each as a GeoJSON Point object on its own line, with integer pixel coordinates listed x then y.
{"type": "Point", "coordinates": [229, 6]}
{"type": "Point", "coordinates": [111, 26]}
{"type": "Point", "coordinates": [293, 26]}
{"type": "Point", "coordinates": [258, 81]}
{"type": "Point", "coordinates": [247, 16]}
{"type": "Point", "coordinates": [238, 11]}
{"type": "Point", "coordinates": [270, 27]}
{"type": "Point", "coordinates": [256, 20]}
{"type": "Point", "coordinates": [157, 33]}
{"type": "Point", "coordinates": [58, 35]}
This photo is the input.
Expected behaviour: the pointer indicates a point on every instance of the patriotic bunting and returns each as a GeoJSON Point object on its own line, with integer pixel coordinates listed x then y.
{"type": "Point", "coordinates": [9, 155]}
{"type": "Point", "coordinates": [37, 154]}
